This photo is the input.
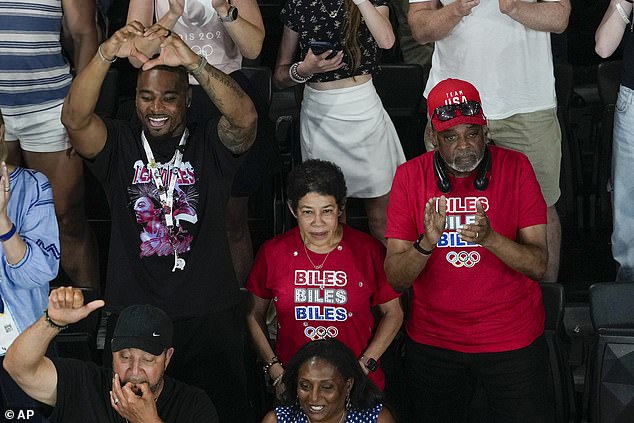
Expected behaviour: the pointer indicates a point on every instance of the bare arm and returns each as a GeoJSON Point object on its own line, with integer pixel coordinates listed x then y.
{"type": "Point", "coordinates": [548, 16]}
{"type": "Point", "coordinates": [528, 255]}
{"type": "Point", "coordinates": [26, 363]}
{"type": "Point", "coordinates": [390, 323]}
{"type": "Point", "coordinates": [403, 263]}
{"type": "Point", "coordinates": [86, 130]}
{"type": "Point", "coordinates": [430, 21]}
{"type": "Point", "coordinates": [79, 17]}
{"type": "Point", "coordinates": [285, 57]}
{"type": "Point", "coordinates": [248, 30]}
{"type": "Point", "coordinates": [238, 125]}
{"type": "Point", "coordinates": [256, 325]}
{"type": "Point", "coordinates": [311, 63]}
{"type": "Point", "coordinates": [143, 12]}
{"type": "Point", "coordinates": [25, 360]}
{"type": "Point", "coordinates": [611, 29]}
{"type": "Point", "coordinates": [270, 417]}
{"type": "Point", "coordinates": [385, 416]}
{"type": "Point", "coordinates": [377, 18]}
{"type": "Point", "coordinates": [14, 247]}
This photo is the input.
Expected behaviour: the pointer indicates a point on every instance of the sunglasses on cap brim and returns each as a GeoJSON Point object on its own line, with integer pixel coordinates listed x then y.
{"type": "Point", "coordinates": [467, 108]}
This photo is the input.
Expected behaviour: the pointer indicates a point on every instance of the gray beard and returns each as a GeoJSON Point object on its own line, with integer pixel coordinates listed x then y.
{"type": "Point", "coordinates": [462, 166]}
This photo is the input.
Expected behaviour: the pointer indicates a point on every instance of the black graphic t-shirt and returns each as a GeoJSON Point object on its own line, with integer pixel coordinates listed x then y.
{"type": "Point", "coordinates": [141, 255]}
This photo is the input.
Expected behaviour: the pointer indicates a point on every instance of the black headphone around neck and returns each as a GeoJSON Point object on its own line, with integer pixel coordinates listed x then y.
{"type": "Point", "coordinates": [481, 181]}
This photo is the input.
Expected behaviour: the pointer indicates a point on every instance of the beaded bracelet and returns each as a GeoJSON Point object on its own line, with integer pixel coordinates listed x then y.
{"type": "Point", "coordinates": [104, 58]}
{"type": "Point", "coordinates": [8, 235]}
{"type": "Point", "coordinates": [267, 366]}
{"type": "Point", "coordinates": [295, 76]}
{"type": "Point", "coordinates": [51, 323]}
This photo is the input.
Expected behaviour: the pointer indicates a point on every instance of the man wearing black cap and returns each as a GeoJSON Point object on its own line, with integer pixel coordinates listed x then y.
{"type": "Point", "coordinates": [466, 230]}
{"type": "Point", "coordinates": [137, 389]}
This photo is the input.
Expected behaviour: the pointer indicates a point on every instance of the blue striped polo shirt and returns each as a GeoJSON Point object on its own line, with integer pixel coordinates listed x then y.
{"type": "Point", "coordinates": [34, 76]}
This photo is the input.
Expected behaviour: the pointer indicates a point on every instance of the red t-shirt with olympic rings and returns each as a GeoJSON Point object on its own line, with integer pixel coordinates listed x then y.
{"type": "Point", "coordinates": [466, 299]}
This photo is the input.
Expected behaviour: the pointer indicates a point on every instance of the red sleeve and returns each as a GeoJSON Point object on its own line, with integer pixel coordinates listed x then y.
{"type": "Point", "coordinates": [400, 223]}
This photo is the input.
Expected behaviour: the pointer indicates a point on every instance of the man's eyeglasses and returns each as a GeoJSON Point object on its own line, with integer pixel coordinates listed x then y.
{"type": "Point", "coordinates": [467, 108]}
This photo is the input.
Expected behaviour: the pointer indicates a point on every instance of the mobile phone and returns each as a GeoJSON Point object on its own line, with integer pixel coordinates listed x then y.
{"type": "Point", "coordinates": [320, 47]}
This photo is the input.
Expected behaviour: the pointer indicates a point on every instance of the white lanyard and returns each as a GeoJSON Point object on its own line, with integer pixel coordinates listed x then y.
{"type": "Point", "coordinates": [166, 195]}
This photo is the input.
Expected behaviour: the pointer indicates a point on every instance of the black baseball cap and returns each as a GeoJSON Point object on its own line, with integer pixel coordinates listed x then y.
{"type": "Point", "coordinates": [145, 327]}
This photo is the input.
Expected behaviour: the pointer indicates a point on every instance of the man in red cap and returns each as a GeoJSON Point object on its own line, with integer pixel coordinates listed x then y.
{"type": "Point", "coordinates": [466, 230]}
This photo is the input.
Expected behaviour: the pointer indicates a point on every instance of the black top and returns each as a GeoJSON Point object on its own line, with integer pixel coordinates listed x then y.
{"type": "Point", "coordinates": [311, 20]}
{"type": "Point", "coordinates": [83, 395]}
{"type": "Point", "coordinates": [141, 256]}
{"type": "Point", "coordinates": [628, 58]}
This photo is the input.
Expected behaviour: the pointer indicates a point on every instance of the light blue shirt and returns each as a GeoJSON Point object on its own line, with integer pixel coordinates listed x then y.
{"type": "Point", "coordinates": [24, 286]}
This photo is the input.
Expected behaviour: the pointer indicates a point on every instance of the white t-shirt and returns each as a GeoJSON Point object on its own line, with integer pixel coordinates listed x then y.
{"type": "Point", "coordinates": [201, 29]}
{"type": "Point", "coordinates": [510, 64]}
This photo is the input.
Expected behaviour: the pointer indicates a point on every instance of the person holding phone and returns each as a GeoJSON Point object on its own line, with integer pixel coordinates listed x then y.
{"type": "Point", "coordinates": [342, 119]}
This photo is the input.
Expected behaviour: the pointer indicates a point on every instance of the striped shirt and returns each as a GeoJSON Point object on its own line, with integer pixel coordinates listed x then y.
{"type": "Point", "coordinates": [34, 76]}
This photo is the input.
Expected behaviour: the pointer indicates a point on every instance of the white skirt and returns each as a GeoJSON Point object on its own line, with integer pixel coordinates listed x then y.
{"type": "Point", "coordinates": [349, 127]}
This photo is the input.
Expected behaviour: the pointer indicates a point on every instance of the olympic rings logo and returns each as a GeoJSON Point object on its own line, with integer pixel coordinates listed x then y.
{"type": "Point", "coordinates": [320, 332]}
{"type": "Point", "coordinates": [463, 258]}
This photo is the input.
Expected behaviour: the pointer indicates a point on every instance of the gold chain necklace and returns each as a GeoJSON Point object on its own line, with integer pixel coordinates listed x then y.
{"type": "Point", "coordinates": [317, 267]}
{"type": "Point", "coordinates": [331, 14]}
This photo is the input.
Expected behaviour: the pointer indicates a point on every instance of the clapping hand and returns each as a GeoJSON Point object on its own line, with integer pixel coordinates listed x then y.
{"type": "Point", "coordinates": [463, 7]}
{"type": "Point", "coordinates": [477, 232]}
{"type": "Point", "coordinates": [435, 218]}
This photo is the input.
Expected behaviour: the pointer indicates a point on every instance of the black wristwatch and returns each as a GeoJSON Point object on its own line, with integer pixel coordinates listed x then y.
{"type": "Point", "coordinates": [232, 15]}
{"type": "Point", "coordinates": [421, 249]}
{"type": "Point", "coordinates": [371, 364]}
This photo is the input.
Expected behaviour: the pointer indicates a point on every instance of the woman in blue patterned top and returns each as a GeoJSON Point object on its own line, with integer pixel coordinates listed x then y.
{"type": "Point", "coordinates": [325, 383]}
{"type": "Point", "coordinates": [29, 259]}
{"type": "Point", "coordinates": [342, 119]}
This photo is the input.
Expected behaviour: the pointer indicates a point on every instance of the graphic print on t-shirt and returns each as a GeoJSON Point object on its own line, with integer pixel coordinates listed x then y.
{"type": "Point", "coordinates": [461, 211]}
{"type": "Point", "coordinates": [324, 293]}
{"type": "Point", "coordinates": [144, 202]}
{"type": "Point", "coordinates": [197, 14]}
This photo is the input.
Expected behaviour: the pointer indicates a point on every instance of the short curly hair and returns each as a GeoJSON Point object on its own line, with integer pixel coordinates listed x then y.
{"type": "Point", "coordinates": [364, 393]}
{"type": "Point", "coordinates": [320, 176]}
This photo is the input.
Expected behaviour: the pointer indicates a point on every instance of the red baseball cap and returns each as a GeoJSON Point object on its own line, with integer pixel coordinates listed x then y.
{"type": "Point", "coordinates": [453, 91]}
